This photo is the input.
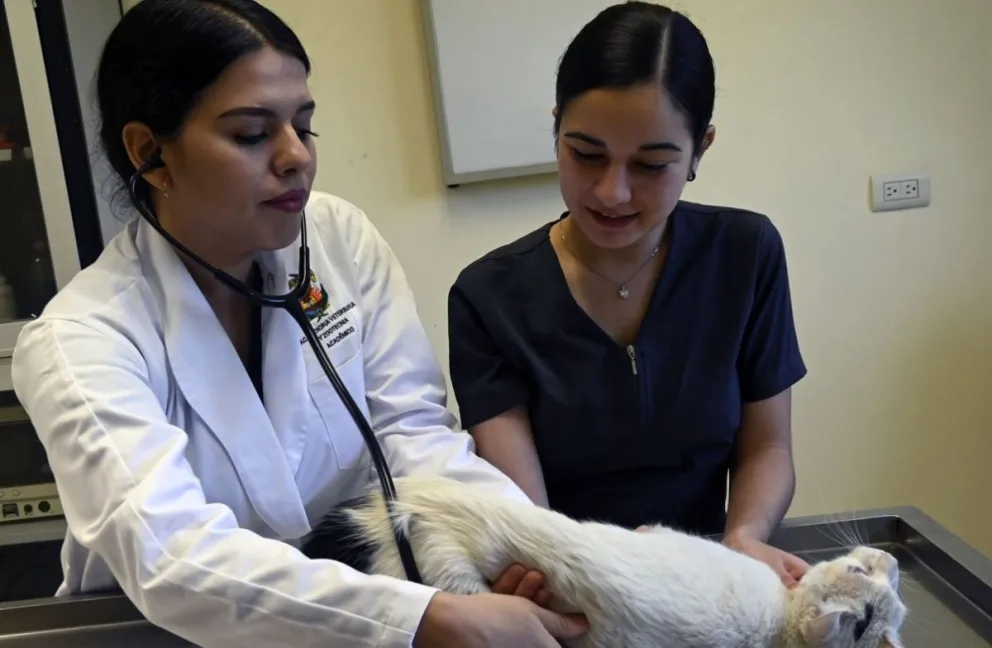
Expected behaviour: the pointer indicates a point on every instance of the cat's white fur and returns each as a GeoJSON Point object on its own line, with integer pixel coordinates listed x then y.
{"type": "Point", "coordinates": [638, 590]}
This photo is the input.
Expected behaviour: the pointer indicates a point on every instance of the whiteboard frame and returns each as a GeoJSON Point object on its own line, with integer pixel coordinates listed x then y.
{"type": "Point", "coordinates": [451, 178]}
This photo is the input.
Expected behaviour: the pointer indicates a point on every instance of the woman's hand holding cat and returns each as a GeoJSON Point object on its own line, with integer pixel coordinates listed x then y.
{"type": "Point", "coordinates": [518, 581]}
{"type": "Point", "coordinates": [490, 620]}
{"type": "Point", "coordinates": [788, 567]}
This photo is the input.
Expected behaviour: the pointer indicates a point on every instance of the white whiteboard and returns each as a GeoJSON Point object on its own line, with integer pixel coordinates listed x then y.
{"type": "Point", "coordinates": [493, 65]}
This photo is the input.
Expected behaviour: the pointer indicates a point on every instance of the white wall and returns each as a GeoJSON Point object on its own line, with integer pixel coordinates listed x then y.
{"type": "Point", "coordinates": [894, 310]}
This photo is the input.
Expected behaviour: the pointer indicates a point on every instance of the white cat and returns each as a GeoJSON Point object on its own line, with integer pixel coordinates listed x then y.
{"type": "Point", "coordinates": [638, 590]}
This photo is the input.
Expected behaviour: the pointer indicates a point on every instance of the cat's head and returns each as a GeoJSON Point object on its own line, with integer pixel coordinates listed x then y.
{"type": "Point", "coordinates": [850, 602]}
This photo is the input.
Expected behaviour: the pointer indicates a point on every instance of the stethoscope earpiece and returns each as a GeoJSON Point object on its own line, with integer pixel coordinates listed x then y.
{"type": "Point", "coordinates": [286, 300]}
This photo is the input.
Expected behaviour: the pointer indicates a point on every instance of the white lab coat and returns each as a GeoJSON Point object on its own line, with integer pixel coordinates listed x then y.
{"type": "Point", "coordinates": [183, 488]}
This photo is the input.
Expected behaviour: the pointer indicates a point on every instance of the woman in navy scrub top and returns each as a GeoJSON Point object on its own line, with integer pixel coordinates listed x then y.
{"type": "Point", "coordinates": [622, 360]}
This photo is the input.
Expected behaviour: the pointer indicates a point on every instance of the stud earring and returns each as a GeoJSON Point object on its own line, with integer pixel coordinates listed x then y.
{"type": "Point", "coordinates": [692, 176]}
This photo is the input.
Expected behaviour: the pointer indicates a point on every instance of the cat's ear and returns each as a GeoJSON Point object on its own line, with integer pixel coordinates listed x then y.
{"type": "Point", "coordinates": [823, 625]}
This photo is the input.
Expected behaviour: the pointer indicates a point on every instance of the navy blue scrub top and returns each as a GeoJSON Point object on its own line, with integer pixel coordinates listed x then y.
{"type": "Point", "coordinates": [643, 433]}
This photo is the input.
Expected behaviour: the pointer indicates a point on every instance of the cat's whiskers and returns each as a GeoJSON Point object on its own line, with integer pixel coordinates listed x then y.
{"type": "Point", "coordinates": [833, 532]}
{"type": "Point", "coordinates": [856, 533]}
{"type": "Point", "coordinates": [909, 584]}
{"type": "Point", "coordinates": [846, 532]}
{"type": "Point", "coordinates": [923, 624]}
{"type": "Point", "coordinates": [862, 532]}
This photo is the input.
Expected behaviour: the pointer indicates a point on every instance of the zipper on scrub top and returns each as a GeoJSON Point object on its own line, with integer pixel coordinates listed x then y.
{"type": "Point", "coordinates": [633, 358]}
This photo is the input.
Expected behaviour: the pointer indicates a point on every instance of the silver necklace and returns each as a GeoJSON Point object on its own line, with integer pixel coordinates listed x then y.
{"type": "Point", "coordinates": [622, 292]}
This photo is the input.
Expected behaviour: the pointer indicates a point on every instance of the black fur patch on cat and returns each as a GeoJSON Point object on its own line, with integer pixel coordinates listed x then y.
{"type": "Point", "coordinates": [336, 538]}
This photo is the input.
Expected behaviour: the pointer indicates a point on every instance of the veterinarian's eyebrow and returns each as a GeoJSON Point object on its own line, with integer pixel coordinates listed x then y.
{"type": "Point", "coordinates": [595, 141]}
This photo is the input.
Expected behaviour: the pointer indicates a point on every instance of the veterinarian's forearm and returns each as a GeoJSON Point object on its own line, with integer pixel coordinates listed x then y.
{"type": "Point", "coordinates": [761, 489]}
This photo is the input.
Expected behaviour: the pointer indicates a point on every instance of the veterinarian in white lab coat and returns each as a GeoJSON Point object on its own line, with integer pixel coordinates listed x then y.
{"type": "Point", "coordinates": [193, 437]}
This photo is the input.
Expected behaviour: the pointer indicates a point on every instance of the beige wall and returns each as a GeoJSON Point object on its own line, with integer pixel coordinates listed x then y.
{"type": "Point", "coordinates": [894, 310]}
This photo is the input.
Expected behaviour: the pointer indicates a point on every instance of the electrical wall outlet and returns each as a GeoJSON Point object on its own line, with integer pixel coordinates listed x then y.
{"type": "Point", "coordinates": [910, 189]}
{"type": "Point", "coordinates": [894, 191]}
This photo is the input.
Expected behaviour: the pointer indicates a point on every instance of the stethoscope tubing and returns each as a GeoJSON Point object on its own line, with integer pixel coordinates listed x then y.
{"type": "Point", "coordinates": [290, 302]}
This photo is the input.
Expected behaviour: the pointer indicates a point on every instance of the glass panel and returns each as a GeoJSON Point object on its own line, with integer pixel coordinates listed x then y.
{"type": "Point", "coordinates": [27, 279]}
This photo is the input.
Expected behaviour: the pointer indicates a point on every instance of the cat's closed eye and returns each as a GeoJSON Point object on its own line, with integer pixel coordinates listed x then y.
{"type": "Point", "coordinates": [858, 569]}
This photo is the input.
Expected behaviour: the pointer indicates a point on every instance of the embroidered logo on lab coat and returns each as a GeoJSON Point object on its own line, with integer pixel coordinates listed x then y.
{"type": "Point", "coordinates": [314, 300]}
{"type": "Point", "coordinates": [331, 328]}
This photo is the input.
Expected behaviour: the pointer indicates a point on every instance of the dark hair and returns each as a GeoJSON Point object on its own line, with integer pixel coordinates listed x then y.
{"type": "Point", "coordinates": [637, 43]}
{"type": "Point", "coordinates": [163, 54]}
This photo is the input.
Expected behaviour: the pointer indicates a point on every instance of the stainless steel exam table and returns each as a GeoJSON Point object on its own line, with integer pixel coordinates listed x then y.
{"type": "Point", "coordinates": [946, 584]}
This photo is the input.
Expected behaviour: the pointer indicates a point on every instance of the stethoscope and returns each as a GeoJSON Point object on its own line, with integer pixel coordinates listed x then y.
{"type": "Point", "coordinates": [290, 302]}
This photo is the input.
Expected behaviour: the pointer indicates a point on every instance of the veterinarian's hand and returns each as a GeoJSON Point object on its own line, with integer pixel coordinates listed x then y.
{"type": "Point", "coordinates": [518, 581]}
{"type": "Point", "coordinates": [788, 567]}
{"type": "Point", "coordinates": [491, 620]}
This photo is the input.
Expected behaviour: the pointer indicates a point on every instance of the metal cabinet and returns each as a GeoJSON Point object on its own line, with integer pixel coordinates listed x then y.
{"type": "Point", "coordinates": [50, 208]}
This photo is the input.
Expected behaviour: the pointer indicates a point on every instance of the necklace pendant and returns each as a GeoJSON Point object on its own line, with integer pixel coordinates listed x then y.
{"type": "Point", "coordinates": [623, 292]}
